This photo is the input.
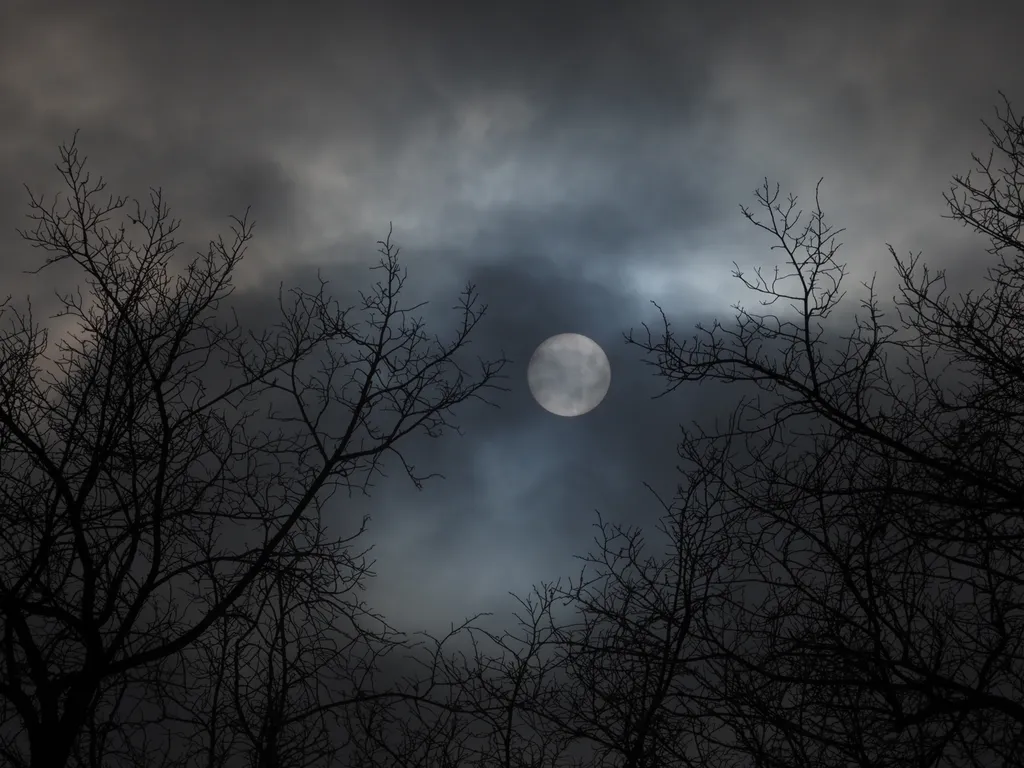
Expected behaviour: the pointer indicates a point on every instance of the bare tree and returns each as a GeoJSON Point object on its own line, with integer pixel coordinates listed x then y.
{"type": "Point", "coordinates": [625, 684]}
{"type": "Point", "coordinates": [841, 583]}
{"type": "Point", "coordinates": [882, 479]}
{"type": "Point", "coordinates": [604, 671]}
{"type": "Point", "coordinates": [263, 685]}
{"type": "Point", "coordinates": [163, 465]}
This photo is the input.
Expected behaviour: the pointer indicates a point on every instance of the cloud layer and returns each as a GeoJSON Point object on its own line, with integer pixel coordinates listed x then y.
{"type": "Point", "coordinates": [574, 160]}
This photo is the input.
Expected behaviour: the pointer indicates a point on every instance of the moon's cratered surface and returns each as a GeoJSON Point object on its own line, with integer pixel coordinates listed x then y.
{"type": "Point", "coordinates": [569, 374]}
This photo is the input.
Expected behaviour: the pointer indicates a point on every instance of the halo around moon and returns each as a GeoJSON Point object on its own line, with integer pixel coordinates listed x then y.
{"type": "Point", "coordinates": [569, 374]}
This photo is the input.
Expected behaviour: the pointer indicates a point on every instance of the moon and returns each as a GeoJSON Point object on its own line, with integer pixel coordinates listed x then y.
{"type": "Point", "coordinates": [569, 374]}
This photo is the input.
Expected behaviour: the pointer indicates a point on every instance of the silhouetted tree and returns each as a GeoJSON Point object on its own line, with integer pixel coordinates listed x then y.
{"type": "Point", "coordinates": [599, 672]}
{"type": "Point", "coordinates": [262, 688]}
{"type": "Point", "coordinates": [840, 578]}
{"type": "Point", "coordinates": [882, 484]}
{"type": "Point", "coordinates": [161, 481]}
{"type": "Point", "coordinates": [624, 641]}
{"type": "Point", "coordinates": [460, 707]}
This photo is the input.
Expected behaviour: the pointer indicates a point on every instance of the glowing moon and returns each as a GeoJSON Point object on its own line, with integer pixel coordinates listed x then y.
{"type": "Point", "coordinates": [569, 375]}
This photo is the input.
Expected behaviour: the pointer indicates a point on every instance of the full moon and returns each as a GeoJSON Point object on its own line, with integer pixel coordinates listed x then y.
{"type": "Point", "coordinates": [569, 374]}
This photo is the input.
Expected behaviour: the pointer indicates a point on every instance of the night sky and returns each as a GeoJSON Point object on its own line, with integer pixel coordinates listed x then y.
{"type": "Point", "coordinates": [574, 160]}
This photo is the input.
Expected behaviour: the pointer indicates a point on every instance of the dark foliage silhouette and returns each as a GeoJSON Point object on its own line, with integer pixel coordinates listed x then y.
{"type": "Point", "coordinates": [879, 619]}
{"type": "Point", "coordinates": [162, 480]}
{"type": "Point", "coordinates": [839, 579]}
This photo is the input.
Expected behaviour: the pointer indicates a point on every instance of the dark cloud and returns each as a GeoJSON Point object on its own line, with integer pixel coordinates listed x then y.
{"type": "Point", "coordinates": [574, 160]}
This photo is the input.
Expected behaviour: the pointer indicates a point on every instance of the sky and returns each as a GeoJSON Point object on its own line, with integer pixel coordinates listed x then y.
{"type": "Point", "coordinates": [574, 160]}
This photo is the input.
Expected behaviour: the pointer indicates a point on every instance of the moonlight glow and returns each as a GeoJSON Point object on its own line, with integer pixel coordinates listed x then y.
{"type": "Point", "coordinates": [569, 375]}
